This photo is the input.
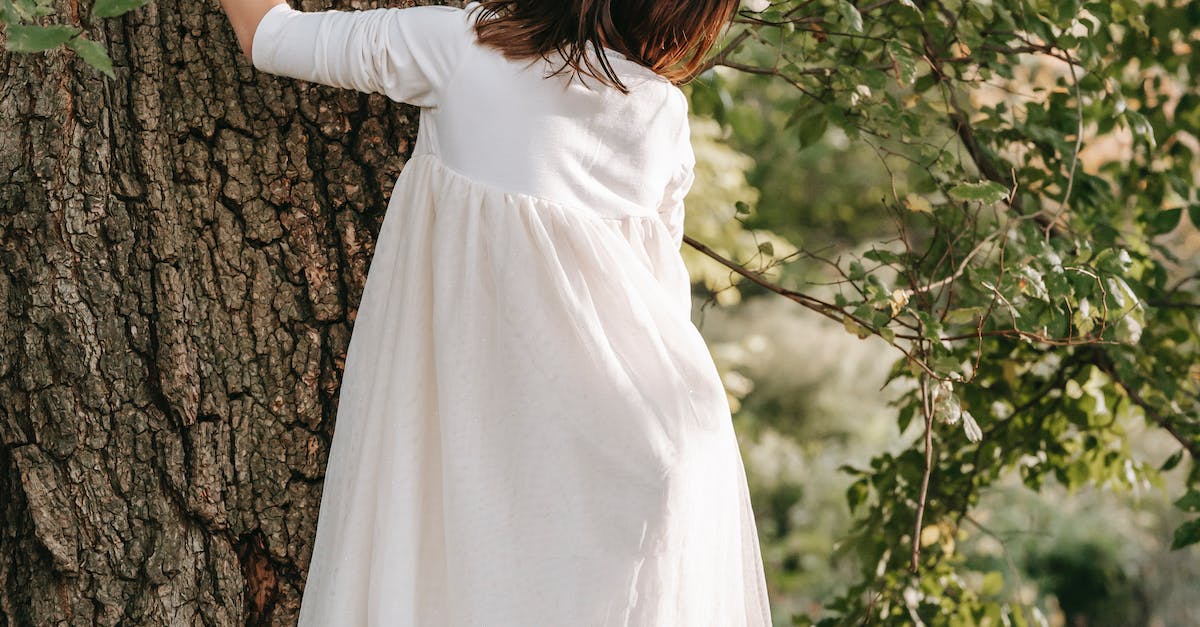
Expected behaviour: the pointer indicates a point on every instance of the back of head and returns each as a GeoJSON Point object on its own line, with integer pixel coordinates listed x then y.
{"type": "Point", "coordinates": [670, 37]}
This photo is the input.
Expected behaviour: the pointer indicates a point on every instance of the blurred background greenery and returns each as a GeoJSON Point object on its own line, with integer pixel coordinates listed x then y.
{"type": "Point", "coordinates": [810, 398]}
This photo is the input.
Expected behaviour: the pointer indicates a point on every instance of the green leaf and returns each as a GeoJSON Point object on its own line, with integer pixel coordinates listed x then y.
{"type": "Point", "coordinates": [881, 255]}
{"type": "Point", "coordinates": [8, 13]}
{"type": "Point", "coordinates": [905, 415]}
{"type": "Point", "coordinates": [28, 9]}
{"type": "Point", "coordinates": [34, 38]}
{"type": "Point", "coordinates": [993, 583]}
{"type": "Point", "coordinates": [767, 249]}
{"type": "Point", "coordinates": [94, 54]}
{"type": "Point", "coordinates": [1189, 502]}
{"type": "Point", "coordinates": [986, 191]}
{"type": "Point", "coordinates": [857, 271]}
{"type": "Point", "coordinates": [903, 63]}
{"type": "Point", "coordinates": [1194, 215]}
{"type": "Point", "coordinates": [710, 97]}
{"type": "Point", "coordinates": [963, 315]}
{"type": "Point", "coordinates": [930, 327]}
{"type": "Point", "coordinates": [1172, 461]}
{"type": "Point", "coordinates": [1186, 534]}
{"type": "Point", "coordinates": [113, 8]}
{"type": "Point", "coordinates": [857, 493]}
{"type": "Point", "coordinates": [1077, 473]}
{"type": "Point", "coordinates": [946, 363]}
{"type": "Point", "coordinates": [1140, 126]}
{"type": "Point", "coordinates": [850, 16]}
{"type": "Point", "coordinates": [1165, 221]}
{"type": "Point", "coordinates": [851, 470]}
{"type": "Point", "coordinates": [855, 328]}
{"type": "Point", "coordinates": [813, 124]}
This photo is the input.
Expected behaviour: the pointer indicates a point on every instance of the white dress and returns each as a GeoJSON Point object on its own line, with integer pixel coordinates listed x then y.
{"type": "Point", "coordinates": [531, 432]}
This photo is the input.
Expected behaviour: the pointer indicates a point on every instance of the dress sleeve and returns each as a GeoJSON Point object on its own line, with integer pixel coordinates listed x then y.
{"type": "Point", "coordinates": [671, 209]}
{"type": "Point", "coordinates": [407, 54]}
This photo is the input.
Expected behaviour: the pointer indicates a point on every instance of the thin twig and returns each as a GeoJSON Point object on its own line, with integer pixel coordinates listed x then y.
{"type": "Point", "coordinates": [927, 409]}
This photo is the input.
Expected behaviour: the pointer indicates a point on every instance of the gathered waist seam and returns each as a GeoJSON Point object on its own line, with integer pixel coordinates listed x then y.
{"type": "Point", "coordinates": [574, 210]}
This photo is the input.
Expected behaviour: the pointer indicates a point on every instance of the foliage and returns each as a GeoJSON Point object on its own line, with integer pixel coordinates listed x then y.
{"type": "Point", "coordinates": [1039, 154]}
{"type": "Point", "coordinates": [27, 30]}
{"type": "Point", "coordinates": [717, 206]}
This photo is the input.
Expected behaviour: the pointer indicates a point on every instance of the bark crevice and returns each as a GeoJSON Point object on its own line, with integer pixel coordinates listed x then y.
{"type": "Point", "coordinates": [183, 250]}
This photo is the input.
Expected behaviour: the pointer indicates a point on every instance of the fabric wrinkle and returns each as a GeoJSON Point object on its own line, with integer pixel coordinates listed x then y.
{"type": "Point", "coordinates": [530, 429]}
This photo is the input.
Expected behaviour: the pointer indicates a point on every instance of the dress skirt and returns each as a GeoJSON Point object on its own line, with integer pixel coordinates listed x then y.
{"type": "Point", "coordinates": [531, 432]}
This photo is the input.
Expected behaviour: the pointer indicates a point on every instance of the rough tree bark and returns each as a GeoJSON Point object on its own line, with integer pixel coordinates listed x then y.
{"type": "Point", "coordinates": [183, 251]}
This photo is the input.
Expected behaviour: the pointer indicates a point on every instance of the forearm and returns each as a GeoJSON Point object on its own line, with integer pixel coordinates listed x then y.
{"type": "Point", "coordinates": [244, 16]}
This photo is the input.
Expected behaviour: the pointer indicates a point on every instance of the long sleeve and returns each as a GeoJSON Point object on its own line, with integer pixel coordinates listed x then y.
{"type": "Point", "coordinates": [407, 54]}
{"type": "Point", "coordinates": [671, 209]}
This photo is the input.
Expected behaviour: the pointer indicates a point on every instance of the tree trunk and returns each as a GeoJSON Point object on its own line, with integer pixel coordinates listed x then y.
{"type": "Point", "coordinates": [183, 252]}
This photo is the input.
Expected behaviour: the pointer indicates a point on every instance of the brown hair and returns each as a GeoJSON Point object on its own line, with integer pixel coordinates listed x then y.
{"type": "Point", "coordinates": [671, 37]}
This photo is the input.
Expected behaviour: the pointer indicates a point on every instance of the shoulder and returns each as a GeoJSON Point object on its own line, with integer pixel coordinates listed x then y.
{"type": "Point", "coordinates": [438, 18]}
{"type": "Point", "coordinates": [436, 35]}
{"type": "Point", "coordinates": [425, 25]}
{"type": "Point", "coordinates": [678, 98]}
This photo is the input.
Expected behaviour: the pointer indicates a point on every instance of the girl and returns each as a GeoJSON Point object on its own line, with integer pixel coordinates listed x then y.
{"type": "Point", "coordinates": [531, 432]}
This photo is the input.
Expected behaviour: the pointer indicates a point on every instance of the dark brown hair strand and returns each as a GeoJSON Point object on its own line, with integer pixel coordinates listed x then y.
{"type": "Point", "coordinates": [670, 37]}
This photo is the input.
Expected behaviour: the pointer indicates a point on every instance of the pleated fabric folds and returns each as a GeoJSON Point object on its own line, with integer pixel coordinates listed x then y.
{"type": "Point", "coordinates": [530, 431]}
